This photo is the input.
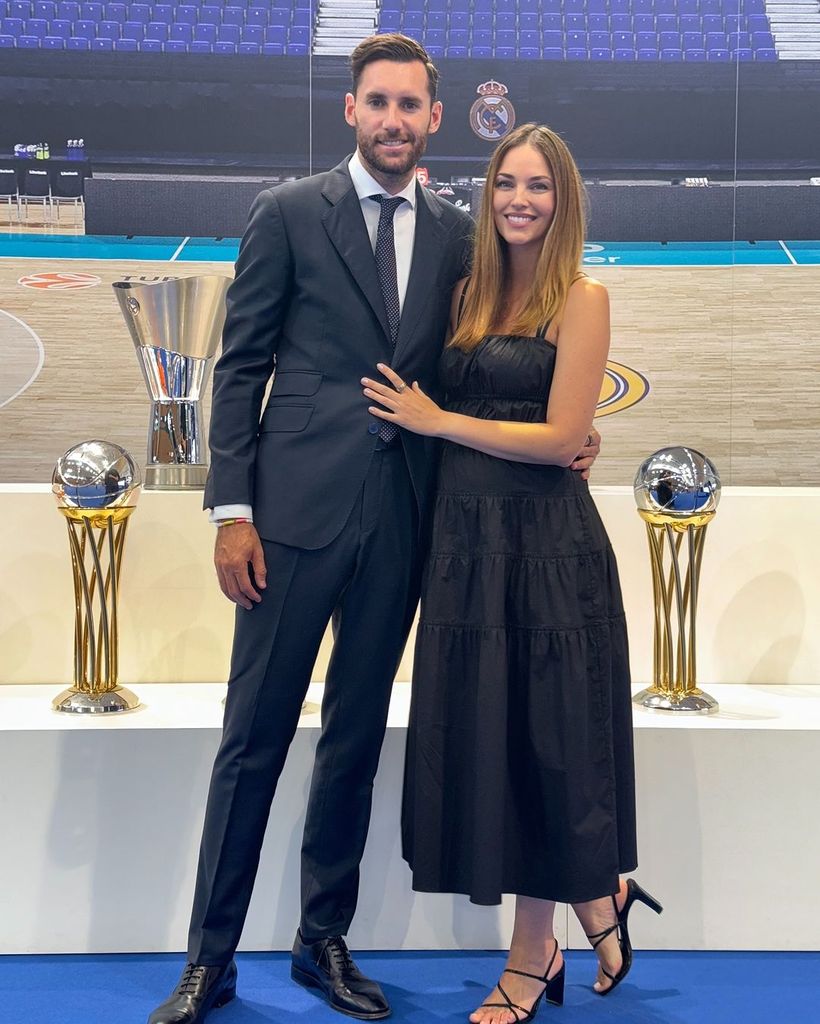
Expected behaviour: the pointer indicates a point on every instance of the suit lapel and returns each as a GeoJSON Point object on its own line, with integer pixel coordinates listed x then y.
{"type": "Point", "coordinates": [428, 246]}
{"type": "Point", "coordinates": [347, 232]}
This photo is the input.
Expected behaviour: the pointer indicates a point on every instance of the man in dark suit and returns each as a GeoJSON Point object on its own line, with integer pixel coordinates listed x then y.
{"type": "Point", "coordinates": [320, 509]}
{"type": "Point", "coordinates": [332, 278]}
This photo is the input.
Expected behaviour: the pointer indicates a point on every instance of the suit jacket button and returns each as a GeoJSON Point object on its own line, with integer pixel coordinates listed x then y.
{"type": "Point", "coordinates": [372, 428]}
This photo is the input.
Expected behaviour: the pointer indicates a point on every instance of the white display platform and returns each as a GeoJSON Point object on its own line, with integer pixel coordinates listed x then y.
{"type": "Point", "coordinates": [102, 821]}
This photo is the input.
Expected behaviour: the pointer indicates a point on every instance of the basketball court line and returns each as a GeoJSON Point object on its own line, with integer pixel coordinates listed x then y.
{"type": "Point", "coordinates": [41, 357]}
{"type": "Point", "coordinates": [224, 250]}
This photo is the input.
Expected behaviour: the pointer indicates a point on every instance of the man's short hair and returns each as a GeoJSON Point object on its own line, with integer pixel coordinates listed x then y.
{"type": "Point", "coordinates": [392, 46]}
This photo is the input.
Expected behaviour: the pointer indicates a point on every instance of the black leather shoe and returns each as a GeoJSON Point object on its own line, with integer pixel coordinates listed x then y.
{"type": "Point", "coordinates": [200, 989]}
{"type": "Point", "coordinates": [327, 965]}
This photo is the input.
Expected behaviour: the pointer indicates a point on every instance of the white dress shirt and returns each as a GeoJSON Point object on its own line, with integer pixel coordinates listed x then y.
{"type": "Point", "coordinates": [404, 233]}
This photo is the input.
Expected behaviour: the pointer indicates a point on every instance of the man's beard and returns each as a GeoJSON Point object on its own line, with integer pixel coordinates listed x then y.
{"type": "Point", "coordinates": [367, 147]}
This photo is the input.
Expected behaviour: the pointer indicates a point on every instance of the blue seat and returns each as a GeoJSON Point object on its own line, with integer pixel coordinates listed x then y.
{"type": "Point", "coordinates": [643, 6]}
{"type": "Point", "coordinates": [552, 23]}
{"type": "Point", "coordinates": [12, 27]}
{"type": "Point", "coordinates": [139, 12]}
{"type": "Point", "coordinates": [504, 39]}
{"type": "Point", "coordinates": [529, 52]}
{"type": "Point", "coordinates": [620, 23]}
{"type": "Point", "coordinates": [85, 29]}
{"type": "Point", "coordinates": [575, 6]}
{"type": "Point", "coordinates": [412, 20]}
{"type": "Point", "coordinates": [643, 23]}
{"type": "Point", "coordinates": [67, 10]}
{"type": "Point", "coordinates": [480, 51]}
{"type": "Point", "coordinates": [672, 54]}
{"type": "Point", "coordinates": [233, 16]}
{"type": "Point", "coordinates": [36, 27]}
{"type": "Point", "coordinates": [109, 30]}
{"type": "Point", "coordinates": [45, 9]}
{"type": "Point", "coordinates": [277, 35]}
{"type": "Point", "coordinates": [60, 28]}
{"type": "Point", "coordinates": [228, 34]}
{"type": "Point", "coordinates": [740, 41]}
{"type": "Point", "coordinates": [133, 30]}
{"type": "Point", "coordinates": [208, 15]}
{"type": "Point", "coordinates": [696, 54]}
{"type": "Point", "coordinates": [459, 20]}
{"type": "Point", "coordinates": [528, 22]}
{"type": "Point", "coordinates": [182, 33]}
{"type": "Point", "coordinates": [716, 41]}
{"type": "Point", "coordinates": [552, 39]}
{"type": "Point", "coordinates": [19, 9]}
{"type": "Point", "coordinates": [600, 53]}
{"type": "Point", "coordinates": [102, 45]}
{"type": "Point", "coordinates": [667, 23]}
{"type": "Point", "coordinates": [278, 16]}
{"type": "Point", "coordinates": [125, 45]}
{"type": "Point", "coordinates": [271, 49]}
{"type": "Point", "coordinates": [552, 53]}
{"type": "Point", "coordinates": [693, 41]}
{"type": "Point", "coordinates": [456, 51]}
{"type": "Point", "coordinates": [151, 46]}
{"type": "Point", "coordinates": [755, 22]}
{"type": "Point", "coordinates": [390, 21]}
{"type": "Point", "coordinates": [162, 12]}
{"type": "Point", "coordinates": [599, 40]}
{"type": "Point", "coordinates": [669, 40]}
{"type": "Point", "coordinates": [598, 22]}
{"type": "Point", "coordinates": [91, 12]}
{"type": "Point", "coordinates": [689, 23]}
{"type": "Point", "coordinates": [205, 33]}
{"type": "Point", "coordinates": [766, 54]}
{"type": "Point", "coordinates": [688, 7]}
{"type": "Point", "coordinates": [156, 30]}
{"type": "Point", "coordinates": [435, 51]}
{"type": "Point", "coordinates": [249, 49]}
{"type": "Point", "coordinates": [718, 55]}
{"type": "Point", "coordinates": [623, 53]}
{"type": "Point", "coordinates": [505, 52]}
{"type": "Point", "coordinates": [458, 38]}
{"type": "Point", "coordinates": [298, 36]}
{"type": "Point", "coordinates": [78, 43]}
{"type": "Point", "coordinates": [116, 12]}
{"type": "Point", "coordinates": [665, 7]}
{"type": "Point", "coordinates": [225, 48]}
{"type": "Point", "coordinates": [576, 53]}
{"type": "Point", "coordinates": [621, 40]}
{"type": "Point", "coordinates": [743, 53]}
{"type": "Point", "coordinates": [252, 34]}
{"type": "Point", "coordinates": [762, 41]}
{"type": "Point", "coordinates": [646, 40]}
{"type": "Point", "coordinates": [483, 20]}
{"type": "Point", "coordinates": [436, 21]}
{"type": "Point", "coordinates": [436, 37]}
{"type": "Point", "coordinates": [295, 49]}
{"type": "Point", "coordinates": [575, 23]}
{"type": "Point", "coordinates": [597, 7]}
{"type": "Point", "coordinates": [200, 46]}
{"type": "Point", "coordinates": [620, 7]}
{"type": "Point", "coordinates": [755, 6]}
{"type": "Point", "coordinates": [482, 37]}
{"type": "Point", "coordinates": [254, 16]}
{"type": "Point", "coordinates": [647, 53]}
{"type": "Point", "coordinates": [28, 43]}
{"type": "Point", "coordinates": [709, 23]}
{"type": "Point", "coordinates": [577, 40]}
{"type": "Point", "coordinates": [302, 18]}
{"type": "Point", "coordinates": [53, 43]}
{"type": "Point", "coordinates": [174, 46]}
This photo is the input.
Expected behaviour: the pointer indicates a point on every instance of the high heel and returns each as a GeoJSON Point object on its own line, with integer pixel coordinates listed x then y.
{"type": "Point", "coordinates": [634, 893]}
{"type": "Point", "coordinates": [553, 991]}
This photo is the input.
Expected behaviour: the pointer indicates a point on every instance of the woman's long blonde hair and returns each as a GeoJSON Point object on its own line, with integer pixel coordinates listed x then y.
{"type": "Point", "coordinates": [561, 252]}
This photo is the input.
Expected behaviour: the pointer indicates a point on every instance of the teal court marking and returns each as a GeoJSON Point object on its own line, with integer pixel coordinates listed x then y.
{"type": "Point", "coordinates": [224, 250]}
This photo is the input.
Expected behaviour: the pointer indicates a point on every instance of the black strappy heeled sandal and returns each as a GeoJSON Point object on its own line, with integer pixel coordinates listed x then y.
{"type": "Point", "coordinates": [553, 991]}
{"type": "Point", "coordinates": [633, 893]}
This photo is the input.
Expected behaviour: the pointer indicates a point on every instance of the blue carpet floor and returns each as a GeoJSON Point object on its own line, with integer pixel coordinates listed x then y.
{"type": "Point", "coordinates": [663, 988]}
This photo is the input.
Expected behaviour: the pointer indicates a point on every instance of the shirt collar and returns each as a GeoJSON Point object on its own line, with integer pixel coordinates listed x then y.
{"type": "Point", "coordinates": [366, 185]}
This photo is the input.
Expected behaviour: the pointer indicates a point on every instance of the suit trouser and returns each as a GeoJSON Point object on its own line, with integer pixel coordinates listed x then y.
{"type": "Point", "coordinates": [367, 581]}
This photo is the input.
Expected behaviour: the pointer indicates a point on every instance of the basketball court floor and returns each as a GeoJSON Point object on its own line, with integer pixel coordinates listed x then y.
{"type": "Point", "coordinates": [714, 345]}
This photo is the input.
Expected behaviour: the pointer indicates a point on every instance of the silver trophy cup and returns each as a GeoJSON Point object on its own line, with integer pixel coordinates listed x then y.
{"type": "Point", "coordinates": [175, 327]}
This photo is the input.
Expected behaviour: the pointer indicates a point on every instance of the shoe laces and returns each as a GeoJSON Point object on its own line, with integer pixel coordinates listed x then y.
{"type": "Point", "coordinates": [192, 977]}
{"type": "Point", "coordinates": [339, 954]}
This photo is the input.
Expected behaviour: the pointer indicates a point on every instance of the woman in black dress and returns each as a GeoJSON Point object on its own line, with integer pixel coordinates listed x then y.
{"type": "Point", "coordinates": [519, 774]}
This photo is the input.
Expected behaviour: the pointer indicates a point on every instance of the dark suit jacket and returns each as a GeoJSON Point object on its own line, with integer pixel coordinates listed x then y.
{"type": "Point", "coordinates": [306, 298]}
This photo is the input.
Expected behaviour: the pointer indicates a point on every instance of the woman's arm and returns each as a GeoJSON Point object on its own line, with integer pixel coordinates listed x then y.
{"type": "Point", "coordinates": [583, 345]}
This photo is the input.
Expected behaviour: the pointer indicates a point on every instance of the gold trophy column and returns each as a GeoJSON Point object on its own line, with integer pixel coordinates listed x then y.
{"type": "Point", "coordinates": [97, 484]}
{"type": "Point", "coordinates": [677, 491]}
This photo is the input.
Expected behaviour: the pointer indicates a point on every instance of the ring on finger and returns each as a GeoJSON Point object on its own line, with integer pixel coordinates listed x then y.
{"type": "Point", "coordinates": [401, 388]}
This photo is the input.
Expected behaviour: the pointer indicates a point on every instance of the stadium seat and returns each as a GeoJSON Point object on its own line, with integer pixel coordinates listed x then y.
{"type": "Point", "coordinates": [647, 53]}
{"type": "Point", "coordinates": [669, 40]}
{"type": "Point", "coordinates": [52, 43]}
{"type": "Point", "coordinates": [693, 41]}
{"type": "Point", "coordinates": [552, 53]}
{"type": "Point", "coordinates": [576, 53]}
{"type": "Point", "coordinates": [200, 46]}
{"type": "Point", "coordinates": [766, 54]}
{"type": "Point", "coordinates": [20, 9]}
{"type": "Point", "coordinates": [575, 23]}
{"type": "Point", "coordinates": [762, 40]}
{"type": "Point", "coordinates": [552, 39]}
{"type": "Point", "coordinates": [109, 30]}
{"type": "Point", "coordinates": [599, 40]}
{"type": "Point", "coordinates": [102, 45]}
{"type": "Point", "coordinates": [85, 29]}
{"type": "Point", "coordinates": [459, 20]}
{"type": "Point", "coordinates": [28, 43]}
{"type": "Point", "coordinates": [296, 49]}
{"type": "Point", "coordinates": [272, 49]}
{"type": "Point", "coordinates": [228, 34]}
{"type": "Point", "coordinates": [182, 33]}
{"type": "Point", "coordinates": [233, 16]}
{"type": "Point", "coordinates": [623, 53]}
{"type": "Point", "coordinates": [162, 12]}
{"type": "Point", "coordinates": [205, 33]}
{"type": "Point", "coordinates": [598, 23]}
{"type": "Point", "coordinates": [576, 40]}
{"type": "Point", "coordinates": [60, 28]}
{"type": "Point", "coordinates": [672, 54]}
{"type": "Point", "coordinates": [151, 46]}
{"type": "Point", "coordinates": [694, 54]}
{"type": "Point", "coordinates": [456, 51]}
{"type": "Point", "coordinates": [156, 30]}
{"type": "Point", "coordinates": [481, 51]}
{"type": "Point", "coordinates": [67, 10]}
{"type": "Point", "coordinates": [621, 40]}
{"type": "Point", "coordinates": [505, 52]}
{"type": "Point", "coordinates": [667, 23]}
{"type": "Point", "coordinates": [529, 53]}
{"type": "Point", "coordinates": [78, 43]}
{"type": "Point", "coordinates": [743, 53]}
{"type": "Point", "coordinates": [249, 49]}
{"type": "Point", "coordinates": [718, 55]}
{"type": "Point", "coordinates": [276, 35]}
{"type": "Point", "coordinates": [436, 21]}
{"type": "Point", "coordinates": [125, 45]}
{"type": "Point", "coordinates": [208, 15]}
{"type": "Point", "coordinates": [224, 48]}
{"type": "Point", "coordinates": [36, 27]}
{"type": "Point", "coordinates": [600, 53]}
{"type": "Point", "coordinates": [116, 12]}
{"type": "Point", "coordinates": [643, 23]}
{"type": "Point", "coordinates": [646, 40]}
{"type": "Point", "coordinates": [252, 34]}
{"type": "Point", "coordinates": [139, 12]}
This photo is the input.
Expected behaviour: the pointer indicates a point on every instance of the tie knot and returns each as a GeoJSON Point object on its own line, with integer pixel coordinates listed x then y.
{"type": "Point", "coordinates": [389, 204]}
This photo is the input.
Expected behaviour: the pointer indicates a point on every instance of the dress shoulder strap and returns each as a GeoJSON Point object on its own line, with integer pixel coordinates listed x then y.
{"type": "Point", "coordinates": [461, 301]}
{"type": "Point", "coordinates": [542, 331]}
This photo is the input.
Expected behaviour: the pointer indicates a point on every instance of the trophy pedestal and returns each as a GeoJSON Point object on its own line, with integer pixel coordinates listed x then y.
{"type": "Point", "coordinates": [695, 702]}
{"type": "Point", "coordinates": [182, 477]}
{"type": "Point", "coordinates": [80, 702]}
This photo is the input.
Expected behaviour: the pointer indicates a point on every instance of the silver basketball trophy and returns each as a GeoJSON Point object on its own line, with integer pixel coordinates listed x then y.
{"type": "Point", "coordinates": [96, 484]}
{"type": "Point", "coordinates": [677, 491]}
{"type": "Point", "coordinates": [175, 327]}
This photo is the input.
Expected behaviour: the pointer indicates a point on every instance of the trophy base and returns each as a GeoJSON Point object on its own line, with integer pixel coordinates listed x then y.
{"type": "Point", "coordinates": [79, 703]}
{"type": "Point", "coordinates": [176, 477]}
{"type": "Point", "coordinates": [695, 703]}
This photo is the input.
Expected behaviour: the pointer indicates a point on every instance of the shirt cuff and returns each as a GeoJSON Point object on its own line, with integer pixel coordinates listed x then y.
{"type": "Point", "coordinates": [230, 512]}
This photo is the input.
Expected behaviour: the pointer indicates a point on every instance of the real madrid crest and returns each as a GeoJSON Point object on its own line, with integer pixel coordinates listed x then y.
{"type": "Point", "coordinates": [492, 115]}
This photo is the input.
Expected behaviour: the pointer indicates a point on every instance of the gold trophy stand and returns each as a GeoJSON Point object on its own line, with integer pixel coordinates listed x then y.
{"type": "Point", "coordinates": [97, 538]}
{"type": "Point", "coordinates": [675, 590]}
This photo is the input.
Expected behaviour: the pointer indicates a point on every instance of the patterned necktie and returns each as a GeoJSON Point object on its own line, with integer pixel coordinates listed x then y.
{"type": "Point", "coordinates": [385, 254]}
